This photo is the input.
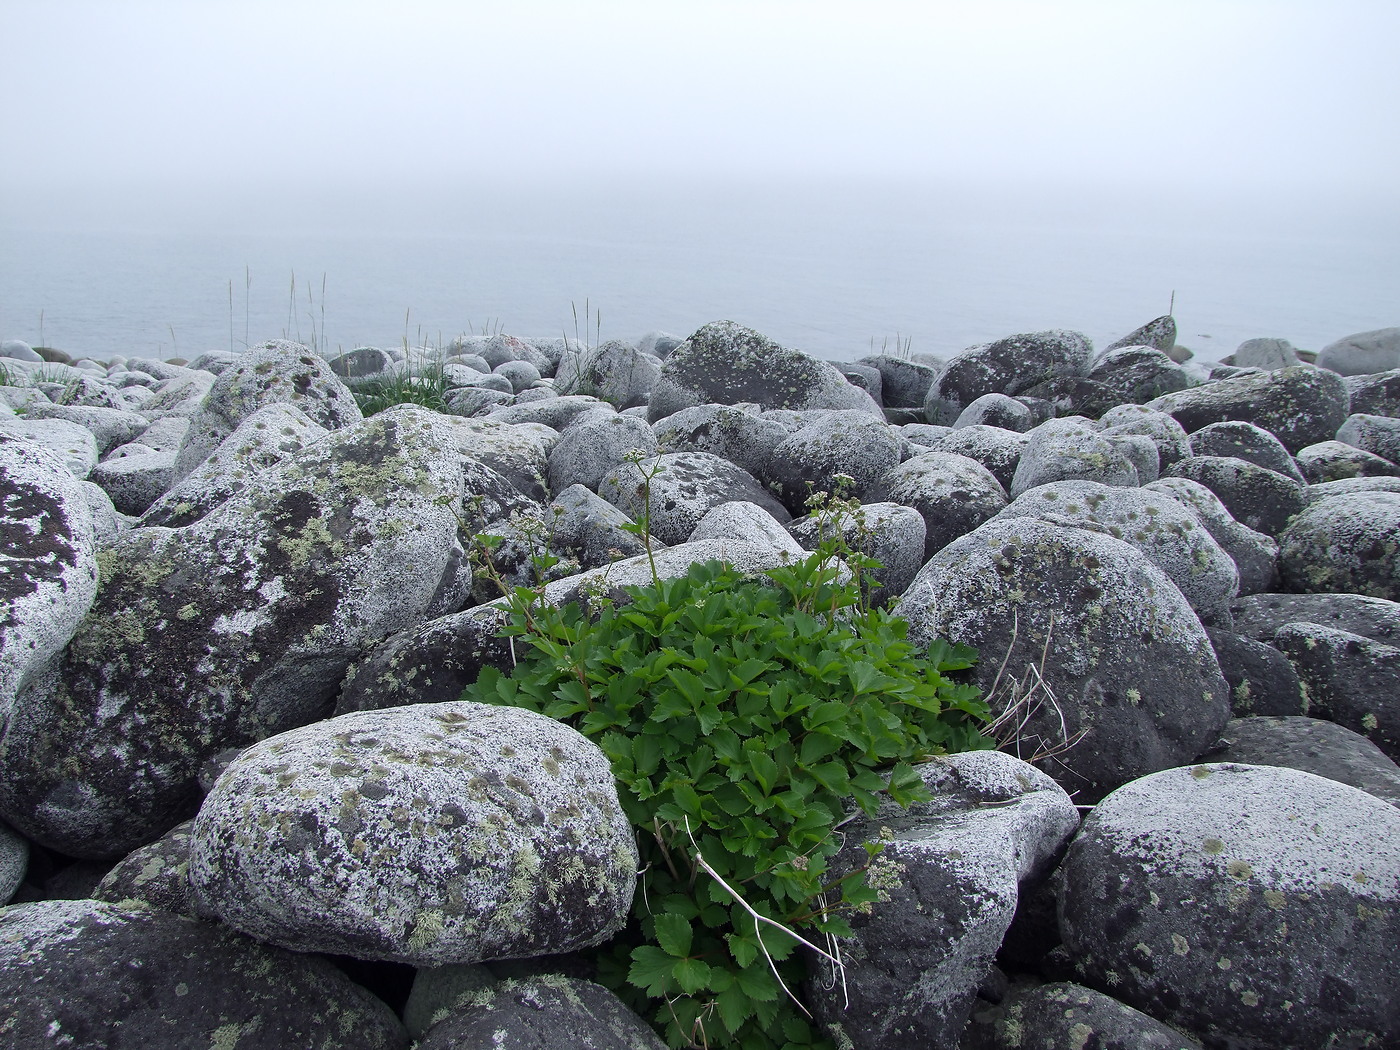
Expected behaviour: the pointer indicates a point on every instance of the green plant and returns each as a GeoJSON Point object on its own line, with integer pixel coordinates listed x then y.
{"type": "Point", "coordinates": [746, 718]}
{"type": "Point", "coordinates": [7, 378]}
{"type": "Point", "coordinates": [427, 387]}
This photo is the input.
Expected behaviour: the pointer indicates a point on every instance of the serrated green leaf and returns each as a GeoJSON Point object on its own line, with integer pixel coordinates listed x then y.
{"type": "Point", "coordinates": [651, 971]}
{"type": "Point", "coordinates": [735, 1007]}
{"type": "Point", "coordinates": [673, 934]}
{"type": "Point", "coordinates": [691, 974]}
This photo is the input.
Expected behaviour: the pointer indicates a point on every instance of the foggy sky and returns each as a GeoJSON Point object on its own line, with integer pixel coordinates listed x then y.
{"type": "Point", "coordinates": [1269, 96]}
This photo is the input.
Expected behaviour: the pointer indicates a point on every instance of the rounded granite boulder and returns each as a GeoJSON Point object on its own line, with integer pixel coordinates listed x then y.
{"type": "Point", "coordinates": [1345, 543]}
{"type": "Point", "coordinates": [431, 834]}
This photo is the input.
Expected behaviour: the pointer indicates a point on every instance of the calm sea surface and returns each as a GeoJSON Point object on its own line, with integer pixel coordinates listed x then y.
{"type": "Point", "coordinates": [834, 270]}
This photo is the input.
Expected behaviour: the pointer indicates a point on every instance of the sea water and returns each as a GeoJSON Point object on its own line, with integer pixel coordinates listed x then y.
{"type": "Point", "coordinates": [837, 270]}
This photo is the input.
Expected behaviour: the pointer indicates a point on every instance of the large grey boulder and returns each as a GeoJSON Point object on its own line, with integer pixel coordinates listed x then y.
{"type": "Point", "coordinates": [1255, 554]}
{"type": "Point", "coordinates": [949, 878]}
{"type": "Point", "coordinates": [156, 875]}
{"type": "Point", "coordinates": [952, 493]}
{"type": "Point", "coordinates": [1261, 680]}
{"type": "Point", "coordinates": [855, 444]}
{"type": "Point", "coordinates": [1364, 353]}
{"type": "Point", "coordinates": [1065, 449]}
{"type": "Point", "coordinates": [1378, 435]}
{"type": "Point", "coordinates": [996, 449]}
{"type": "Point", "coordinates": [1300, 406]}
{"type": "Point", "coordinates": [109, 427]}
{"type": "Point", "coordinates": [134, 476]}
{"type": "Point", "coordinates": [1375, 395]}
{"type": "Point", "coordinates": [614, 371]}
{"type": "Point", "coordinates": [72, 442]}
{"type": "Point", "coordinates": [1261, 615]}
{"type": "Point", "coordinates": [1007, 366]}
{"type": "Point", "coordinates": [48, 575]}
{"type": "Point", "coordinates": [683, 486]}
{"type": "Point", "coordinates": [275, 372]}
{"type": "Point", "coordinates": [1170, 535]}
{"type": "Point", "coordinates": [1065, 1015]}
{"type": "Point", "coordinates": [725, 363]}
{"type": "Point", "coordinates": [591, 447]}
{"type": "Point", "coordinates": [996, 410]}
{"type": "Point", "coordinates": [178, 395]}
{"type": "Point", "coordinates": [736, 433]}
{"type": "Point", "coordinates": [1345, 543]}
{"type": "Point", "coordinates": [1350, 679]}
{"type": "Point", "coordinates": [1258, 498]}
{"type": "Point", "coordinates": [1247, 442]}
{"type": "Point", "coordinates": [1166, 433]}
{"type": "Point", "coordinates": [1336, 460]}
{"type": "Point", "coordinates": [1137, 374]}
{"type": "Point", "coordinates": [903, 383]}
{"type": "Point", "coordinates": [1128, 670]}
{"type": "Point", "coordinates": [747, 523]}
{"type": "Point", "coordinates": [88, 975]}
{"type": "Point", "coordinates": [1266, 353]}
{"type": "Point", "coordinates": [234, 628]}
{"type": "Point", "coordinates": [432, 834]}
{"type": "Point", "coordinates": [1253, 906]}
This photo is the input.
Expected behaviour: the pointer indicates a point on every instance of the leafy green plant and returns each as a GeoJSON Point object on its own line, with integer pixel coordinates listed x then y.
{"type": "Point", "coordinates": [746, 718]}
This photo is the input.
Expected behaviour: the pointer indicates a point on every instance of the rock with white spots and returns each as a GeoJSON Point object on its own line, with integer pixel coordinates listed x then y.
{"type": "Point", "coordinates": [1253, 906]}
{"type": "Point", "coordinates": [1137, 374]}
{"type": "Point", "coordinates": [72, 442]}
{"type": "Point", "coordinates": [1261, 615]}
{"type": "Point", "coordinates": [891, 533]}
{"type": "Point", "coordinates": [1007, 366]}
{"type": "Point", "coordinates": [1345, 543]}
{"type": "Point", "coordinates": [134, 476]}
{"type": "Point", "coordinates": [995, 410]}
{"type": "Point", "coordinates": [1248, 442]}
{"type": "Point", "coordinates": [1065, 449]}
{"type": "Point", "coordinates": [1166, 433]}
{"type": "Point", "coordinates": [855, 444]}
{"type": "Point", "coordinates": [1124, 659]}
{"type": "Point", "coordinates": [1378, 435]}
{"type": "Point", "coordinates": [1254, 553]}
{"type": "Point", "coordinates": [110, 427]}
{"type": "Point", "coordinates": [749, 523]}
{"type": "Point", "coordinates": [432, 834]}
{"type": "Point", "coordinates": [614, 371]}
{"type": "Point", "coordinates": [1159, 333]}
{"type": "Point", "coordinates": [1375, 395]}
{"type": "Point", "coordinates": [156, 875]}
{"type": "Point", "coordinates": [949, 878]}
{"type": "Point", "coordinates": [1335, 460]}
{"type": "Point", "coordinates": [736, 433]}
{"type": "Point", "coordinates": [234, 628]}
{"type": "Point", "coordinates": [1065, 1015]}
{"type": "Point", "coordinates": [1259, 498]}
{"type": "Point", "coordinates": [88, 975]}
{"type": "Point", "coordinates": [996, 449]}
{"type": "Point", "coordinates": [953, 494]}
{"type": "Point", "coordinates": [591, 447]}
{"type": "Point", "coordinates": [48, 575]}
{"type": "Point", "coordinates": [14, 861]}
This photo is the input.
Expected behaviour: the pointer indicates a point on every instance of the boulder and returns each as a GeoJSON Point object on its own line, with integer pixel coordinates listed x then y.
{"type": "Point", "coordinates": [1375, 395]}
{"type": "Point", "coordinates": [1251, 906]}
{"type": "Point", "coordinates": [1300, 406]}
{"type": "Point", "coordinates": [1364, 353]}
{"type": "Point", "coordinates": [234, 628]}
{"type": "Point", "coordinates": [364, 364]}
{"type": "Point", "coordinates": [952, 493]}
{"type": "Point", "coordinates": [273, 373]}
{"type": "Point", "coordinates": [1261, 615]}
{"type": "Point", "coordinates": [557, 413]}
{"type": "Point", "coordinates": [890, 533]}
{"type": "Point", "coordinates": [1378, 435]}
{"type": "Point", "coordinates": [1345, 543]}
{"type": "Point", "coordinates": [949, 878]}
{"type": "Point", "coordinates": [432, 834]}
{"type": "Point", "coordinates": [1350, 679]}
{"type": "Point", "coordinates": [14, 862]}
{"type": "Point", "coordinates": [18, 350]}
{"type": "Point", "coordinates": [48, 575]}
{"type": "Point", "coordinates": [725, 363]}
{"type": "Point", "coordinates": [590, 530]}
{"type": "Point", "coordinates": [109, 427]}
{"type": "Point", "coordinates": [1137, 374]}
{"type": "Point", "coordinates": [134, 476]}
{"type": "Point", "coordinates": [88, 975]}
{"type": "Point", "coordinates": [1126, 667]}
{"type": "Point", "coordinates": [995, 410]}
{"type": "Point", "coordinates": [683, 486]}
{"type": "Point", "coordinates": [1254, 553]}
{"type": "Point", "coordinates": [1261, 680]}
{"type": "Point", "coordinates": [156, 875]}
{"type": "Point", "coordinates": [1166, 433]}
{"type": "Point", "coordinates": [1159, 333]}
{"type": "Point", "coordinates": [591, 447]}
{"type": "Point", "coordinates": [748, 523]}
{"type": "Point", "coordinates": [829, 444]}
{"type": "Point", "coordinates": [1313, 745]}
{"type": "Point", "coordinates": [1007, 366]}
{"type": "Point", "coordinates": [1266, 353]}
{"type": "Point", "coordinates": [1335, 460]}
{"type": "Point", "coordinates": [736, 433]}
{"type": "Point", "coordinates": [616, 372]}
{"type": "Point", "coordinates": [903, 383]}
{"type": "Point", "coordinates": [1065, 449]}
{"type": "Point", "coordinates": [996, 449]}
{"type": "Point", "coordinates": [1062, 1015]}
{"type": "Point", "coordinates": [1247, 442]}
{"type": "Point", "coordinates": [1258, 498]}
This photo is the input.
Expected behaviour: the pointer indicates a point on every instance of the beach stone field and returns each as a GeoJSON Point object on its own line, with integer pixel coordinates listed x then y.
{"type": "Point", "coordinates": [243, 805]}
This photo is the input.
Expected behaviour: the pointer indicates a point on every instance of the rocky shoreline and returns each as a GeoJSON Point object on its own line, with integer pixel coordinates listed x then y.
{"type": "Point", "coordinates": [244, 805]}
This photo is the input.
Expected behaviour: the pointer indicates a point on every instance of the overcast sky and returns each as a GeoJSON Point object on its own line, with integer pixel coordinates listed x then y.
{"type": "Point", "coordinates": [1267, 94]}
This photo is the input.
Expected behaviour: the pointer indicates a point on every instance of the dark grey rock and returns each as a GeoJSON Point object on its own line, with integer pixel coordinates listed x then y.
{"type": "Point", "coordinates": [520, 374]}
{"type": "Point", "coordinates": [431, 834]}
{"type": "Point", "coordinates": [588, 528]}
{"type": "Point", "coordinates": [1261, 679]}
{"type": "Point", "coordinates": [616, 372]}
{"type": "Point", "coordinates": [1350, 679]}
{"type": "Point", "coordinates": [1160, 333]}
{"type": "Point", "coordinates": [1066, 449]}
{"type": "Point", "coordinates": [156, 875]}
{"type": "Point", "coordinates": [995, 410]}
{"type": "Point", "coordinates": [1252, 906]}
{"type": "Point", "coordinates": [1075, 396]}
{"type": "Point", "coordinates": [1259, 498]}
{"type": "Point", "coordinates": [1335, 460]}
{"type": "Point", "coordinates": [952, 493]}
{"type": "Point", "coordinates": [996, 449]}
{"type": "Point", "coordinates": [1137, 374]}
{"type": "Point", "coordinates": [1378, 435]}
{"type": "Point", "coordinates": [1063, 1015]}
{"type": "Point", "coordinates": [1345, 543]}
{"type": "Point", "coordinates": [1247, 442]}
{"type": "Point", "coordinates": [1008, 366]}
{"type": "Point", "coordinates": [828, 444]}
{"type": "Point", "coordinates": [1261, 615]}
{"type": "Point", "coordinates": [134, 477]}
{"type": "Point", "coordinates": [1375, 395]}
{"type": "Point", "coordinates": [363, 363]}
{"type": "Point", "coordinates": [903, 383]}
{"type": "Point", "coordinates": [14, 861]}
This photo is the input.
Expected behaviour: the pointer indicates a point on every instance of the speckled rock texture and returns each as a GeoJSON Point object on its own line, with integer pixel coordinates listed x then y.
{"type": "Point", "coordinates": [1120, 648]}
{"type": "Point", "coordinates": [1377, 394]}
{"type": "Point", "coordinates": [1378, 435]}
{"type": "Point", "coordinates": [134, 476]}
{"type": "Point", "coordinates": [1261, 679]}
{"type": "Point", "coordinates": [1258, 498]}
{"type": "Point", "coordinates": [616, 372]}
{"type": "Point", "coordinates": [275, 372]}
{"type": "Point", "coordinates": [248, 619]}
{"type": "Point", "coordinates": [950, 875]}
{"type": "Point", "coordinates": [1166, 433]}
{"type": "Point", "coordinates": [1141, 452]}
{"type": "Point", "coordinates": [736, 433]}
{"type": "Point", "coordinates": [827, 444]}
{"type": "Point", "coordinates": [1300, 406]}
{"type": "Point", "coordinates": [262, 441]}
{"type": "Point", "coordinates": [73, 443]}
{"type": "Point", "coordinates": [156, 875]}
{"type": "Point", "coordinates": [110, 427]}
{"type": "Point", "coordinates": [748, 523]}
{"type": "Point", "coordinates": [996, 410]}
{"type": "Point", "coordinates": [1313, 745]}
{"type": "Point", "coordinates": [1252, 906]}
{"type": "Point", "coordinates": [87, 975]}
{"type": "Point", "coordinates": [1137, 374]}
{"type": "Point", "coordinates": [590, 448]}
{"type": "Point", "coordinates": [1171, 536]}
{"type": "Point", "coordinates": [1265, 353]}
{"type": "Point", "coordinates": [1064, 1015]}
{"type": "Point", "coordinates": [996, 449]}
{"type": "Point", "coordinates": [432, 834]}
{"type": "Point", "coordinates": [903, 383]}
{"type": "Point", "coordinates": [1345, 543]}
{"type": "Point", "coordinates": [890, 533]}
{"type": "Point", "coordinates": [1350, 679]}
{"type": "Point", "coordinates": [48, 573]}
{"type": "Point", "coordinates": [14, 861]}
{"type": "Point", "coordinates": [1248, 442]}
{"type": "Point", "coordinates": [683, 489]}
{"type": "Point", "coordinates": [1160, 333]}
{"type": "Point", "coordinates": [1335, 461]}
{"type": "Point", "coordinates": [436, 990]}
{"type": "Point", "coordinates": [517, 452]}
{"type": "Point", "coordinates": [1007, 366]}
{"type": "Point", "coordinates": [1255, 554]}
{"type": "Point", "coordinates": [953, 494]}
{"type": "Point", "coordinates": [1067, 449]}
{"type": "Point", "coordinates": [1363, 353]}
{"type": "Point", "coordinates": [725, 363]}
{"type": "Point", "coordinates": [541, 1013]}
{"type": "Point", "coordinates": [589, 529]}
{"type": "Point", "coordinates": [1261, 615]}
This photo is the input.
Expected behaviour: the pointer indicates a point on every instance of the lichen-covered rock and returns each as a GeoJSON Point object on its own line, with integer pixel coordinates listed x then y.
{"type": "Point", "coordinates": [134, 477]}
{"type": "Point", "coordinates": [1007, 366]}
{"type": "Point", "coordinates": [438, 833]}
{"type": "Point", "coordinates": [273, 373]}
{"type": "Point", "coordinates": [589, 529]}
{"type": "Point", "coordinates": [1141, 451]}
{"type": "Point", "coordinates": [110, 427]}
{"type": "Point", "coordinates": [592, 447]}
{"type": "Point", "coordinates": [518, 452]}
{"type": "Point", "coordinates": [748, 523]}
{"type": "Point", "coordinates": [683, 487]}
{"type": "Point", "coordinates": [1364, 353]}
{"type": "Point", "coordinates": [178, 395]}
{"type": "Point", "coordinates": [903, 383]}
{"type": "Point", "coordinates": [1378, 435]}
{"type": "Point", "coordinates": [891, 533]}
{"type": "Point", "coordinates": [1166, 433]}
{"type": "Point", "coordinates": [1170, 535]}
{"type": "Point", "coordinates": [1137, 374]}
{"type": "Point", "coordinates": [1300, 406]}
{"type": "Point", "coordinates": [1159, 333]}
{"type": "Point", "coordinates": [855, 444]}
{"type": "Point", "coordinates": [1351, 486]}
{"type": "Point", "coordinates": [996, 449]}
{"type": "Point", "coordinates": [1313, 745]}
{"type": "Point", "coordinates": [1261, 615]}
{"type": "Point", "coordinates": [234, 628]}
{"type": "Point", "coordinates": [1375, 395]}
{"type": "Point", "coordinates": [1335, 460]}
{"type": "Point", "coordinates": [72, 443]}
{"type": "Point", "coordinates": [614, 371]}
{"type": "Point", "coordinates": [88, 975]}
{"type": "Point", "coordinates": [1248, 442]}
{"type": "Point", "coordinates": [557, 413]}
{"type": "Point", "coordinates": [1350, 679]}
{"type": "Point", "coordinates": [262, 441]}
{"type": "Point", "coordinates": [1062, 1015]}
{"type": "Point", "coordinates": [1065, 449]}
{"type": "Point", "coordinates": [725, 363]}
{"type": "Point", "coordinates": [436, 990]}
{"type": "Point", "coordinates": [1261, 680]}
{"type": "Point", "coordinates": [363, 364]}
{"type": "Point", "coordinates": [952, 493]}
{"type": "Point", "coordinates": [48, 574]}
{"type": "Point", "coordinates": [156, 875]}
{"type": "Point", "coordinates": [1258, 498]}
{"type": "Point", "coordinates": [949, 878]}
{"type": "Point", "coordinates": [548, 1012]}
{"type": "Point", "coordinates": [1253, 906]}
{"type": "Point", "coordinates": [14, 861]}
{"type": "Point", "coordinates": [1111, 636]}
{"type": "Point", "coordinates": [738, 434]}
{"type": "Point", "coordinates": [1345, 543]}
{"type": "Point", "coordinates": [1254, 553]}
{"type": "Point", "coordinates": [995, 410]}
